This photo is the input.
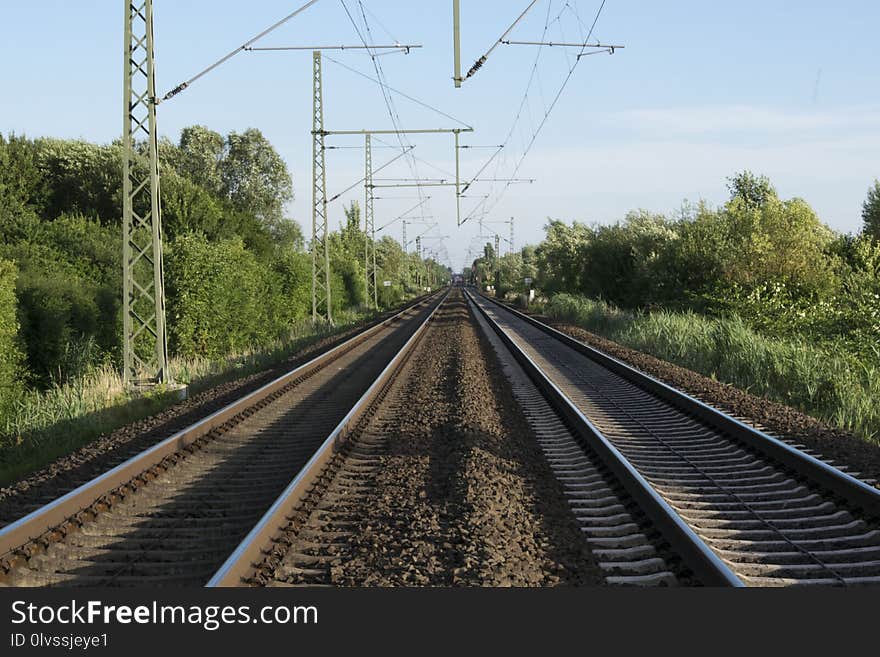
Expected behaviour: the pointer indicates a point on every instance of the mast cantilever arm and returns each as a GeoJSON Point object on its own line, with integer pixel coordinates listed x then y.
{"type": "Point", "coordinates": [482, 60]}
{"type": "Point", "coordinates": [563, 44]}
{"type": "Point", "coordinates": [398, 46]}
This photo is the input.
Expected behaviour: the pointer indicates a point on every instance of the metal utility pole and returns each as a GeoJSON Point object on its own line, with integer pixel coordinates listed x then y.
{"type": "Point", "coordinates": [369, 225]}
{"type": "Point", "coordinates": [457, 179]}
{"type": "Point", "coordinates": [418, 242]}
{"type": "Point", "coordinates": [512, 247]}
{"type": "Point", "coordinates": [145, 342]}
{"type": "Point", "coordinates": [492, 234]}
{"type": "Point", "coordinates": [421, 262]}
{"type": "Point", "coordinates": [456, 40]}
{"type": "Point", "coordinates": [321, 301]}
{"type": "Point", "coordinates": [320, 245]}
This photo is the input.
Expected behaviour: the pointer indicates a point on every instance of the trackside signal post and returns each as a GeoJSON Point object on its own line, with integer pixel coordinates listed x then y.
{"type": "Point", "coordinates": [145, 342]}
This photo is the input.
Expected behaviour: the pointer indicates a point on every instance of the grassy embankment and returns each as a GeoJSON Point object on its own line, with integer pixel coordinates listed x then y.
{"type": "Point", "coordinates": [833, 386]}
{"type": "Point", "coordinates": [47, 424]}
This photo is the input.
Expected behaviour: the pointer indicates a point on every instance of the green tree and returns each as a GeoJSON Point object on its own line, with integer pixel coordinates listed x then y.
{"type": "Point", "coordinates": [10, 355]}
{"type": "Point", "coordinates": [68, 292]}
{"type": "Point", "coordinates": [780, 241]}
{"type": "Point", "coordinates": [871, 212]}
{"type": "Point", "coordinates": [622, 262]}
{"type": "Point", "coordinates": [200, 155]}
{"type": "Point", "coordinates": [254, 176]}
{"type": "Point", "coordinates": [219, 297]}
{"type": "Point", "coordinates": [560, 255]}
{"type": "Point", "coordinates": [81, 178]}
{"type": "Point", "coordinates": [347, 261]}
{"type": "Point", "coordinates": [754, 191]}
{"type": "Point", "coordinates": [21, 181]}
{"type": "Point", "coordinates": [391, 263]}
{"type": "Point", "coordinates": [188, 207]}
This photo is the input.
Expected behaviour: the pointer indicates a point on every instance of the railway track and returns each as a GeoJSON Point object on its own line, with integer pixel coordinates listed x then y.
{"type": "Point", "coordinates": [173, 513]}
{"type": "Point", "coordinates": [275, 488]}
{"type": "Point", "coordinates": [738, 506]}
{"type": "Point", "coordinates": [434, 481]}
{"type": "Point", "coordinates": [629, 550]}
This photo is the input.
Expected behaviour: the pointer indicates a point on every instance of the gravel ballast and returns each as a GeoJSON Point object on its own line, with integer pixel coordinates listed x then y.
{"type": "Point", "coordinates": [453, 492]}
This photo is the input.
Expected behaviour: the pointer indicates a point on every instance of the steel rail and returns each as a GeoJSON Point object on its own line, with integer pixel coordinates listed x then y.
{"type": "Point", "coordinates": [705, 563]}
{"type": "Point", "coordinates": [55, 513]}
{"type": "Point", "coordinates": [243, 559]}
{"type": "Point", "coordinates": [857, 493]}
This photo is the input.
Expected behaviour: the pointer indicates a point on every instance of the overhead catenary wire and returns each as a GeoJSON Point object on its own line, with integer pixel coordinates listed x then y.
{"type": "Point", "coordinates": [397, 46]}
{"type": "Point", "coordinates": [425, 162]}
{"type": "Point", "coordinates": [558, 93]}
{"type": "Point", "coordinates": [563, 44]}
{"type": "Point", "coordinates": [532, 75]}
{"type": "Point", "coordinates": [380, 75]}
{"type": "Point", "coordinates": [421, 103]}
{"type": "Point", "coordinates": [387, 164]}
{"type": "Point", "coordinates": [484, 206]}
{"type": "Point", "coordinates": [403, 216]}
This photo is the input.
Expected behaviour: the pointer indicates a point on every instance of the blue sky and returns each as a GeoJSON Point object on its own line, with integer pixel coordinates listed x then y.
{"type": "Point", "coordinates": [702, 90]}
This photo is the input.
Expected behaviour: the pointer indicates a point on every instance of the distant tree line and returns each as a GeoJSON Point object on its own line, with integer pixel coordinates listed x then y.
{"type": "Point", "coordinates": [767, 260]}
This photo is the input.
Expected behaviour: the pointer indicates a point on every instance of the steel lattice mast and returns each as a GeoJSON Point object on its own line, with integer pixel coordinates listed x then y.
{"type": "Point", "coordinates": [512, 248]}
{"type": "Point", "coordinates": [145, 344]}
{"type": "Point", "coordinates": [369, 225]}
{"type": "Point", "coordinates": [321, 302]}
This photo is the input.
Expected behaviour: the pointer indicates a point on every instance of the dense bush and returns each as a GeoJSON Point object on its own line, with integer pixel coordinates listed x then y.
{"type": "Point", "coordinates": [221, 299]}
{"type": "Point", "coordinates": [10, 356]}
{"type": "Point", "coordinates": [237, 273]}
{"type": "Point", "coordinates": [67, 290]}
{"type": "Point", "coordinates": [82, 178]}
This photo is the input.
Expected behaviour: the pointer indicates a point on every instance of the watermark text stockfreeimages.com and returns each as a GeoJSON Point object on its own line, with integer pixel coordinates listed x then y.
{"type": "Point", "coordinates": [209, 617]}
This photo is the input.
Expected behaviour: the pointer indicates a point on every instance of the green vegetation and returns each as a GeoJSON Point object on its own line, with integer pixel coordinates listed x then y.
{"type": "Point", "coordinates": [48, 423]}
{"type": "Point", "coordinates": [835, 387]}
{"type": "Point", "coordinates": [758, 292]}
{"type": "Point", "coordinates": [10, 357]}
{"type": "Point", "coordinates": [238, 278]}
{"type": "Point", "coordinates": [871, 211]}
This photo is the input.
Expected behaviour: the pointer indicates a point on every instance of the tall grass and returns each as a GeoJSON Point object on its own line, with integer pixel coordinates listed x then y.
{"type": "Point", "coordinates": [77, 409]}
{"type": "Point", "coordinates": [833, 386]}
